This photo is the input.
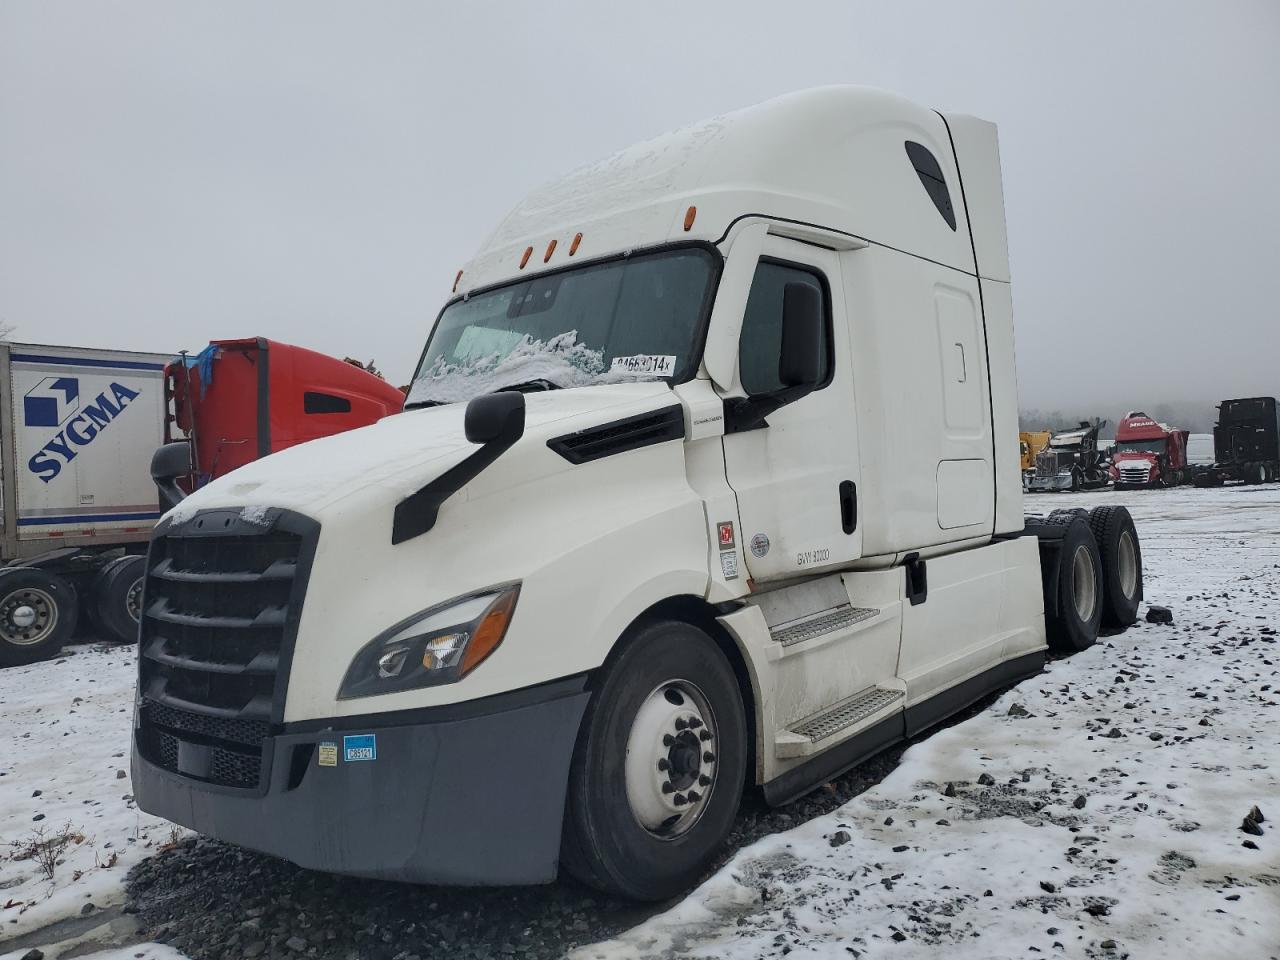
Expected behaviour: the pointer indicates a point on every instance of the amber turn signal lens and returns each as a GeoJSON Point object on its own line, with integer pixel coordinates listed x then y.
{"type": "Point", "coordinates": [528, 252]}
{"type": "Point", "coordinates": [688, 218]}
{"type": "Point", "coordinates": [490, 631]}
{"type": "Point", "coordinates": [573, 247]}
{"type": "Point", "coordinates": [551, 248]}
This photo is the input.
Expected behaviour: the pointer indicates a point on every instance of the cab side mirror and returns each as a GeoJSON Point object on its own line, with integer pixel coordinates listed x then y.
{"type": "Point", "coordinates": [168, 463]}
{"type": "Point", "coordinates": [800, 364]}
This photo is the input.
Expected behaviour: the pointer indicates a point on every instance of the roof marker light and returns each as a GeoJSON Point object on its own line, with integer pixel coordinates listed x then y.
{"type": "Point", "coordinates": [456, 280]}
{"type": "Point", "coordinates": [528, 252]}
{"type": "Point", "coordinates": [551, 248]}
{"type": "Point", "coordinates": [688, 218]}
{"type": "Point", "coordinates": [573, 247]}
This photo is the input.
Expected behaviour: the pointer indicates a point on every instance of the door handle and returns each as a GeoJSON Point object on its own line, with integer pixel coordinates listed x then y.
{"type": "Point", "coordinates": [849, 506]}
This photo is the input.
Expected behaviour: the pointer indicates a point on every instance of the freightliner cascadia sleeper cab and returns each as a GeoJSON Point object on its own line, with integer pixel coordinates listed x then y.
{"type": "Point", "coordinates": [708, 481]}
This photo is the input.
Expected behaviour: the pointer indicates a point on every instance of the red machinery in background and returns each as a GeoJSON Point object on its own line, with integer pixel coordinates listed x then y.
{"type": "Point", "coordinates": [239, 400]}
{"type": "Point", "coordinates": [1149, 454]}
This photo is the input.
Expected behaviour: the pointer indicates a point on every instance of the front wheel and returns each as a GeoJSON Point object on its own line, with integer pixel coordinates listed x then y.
{"type": "Point", "coordinates": [659, 766]}
{"type": "Point", "coordinates": [116, 599]}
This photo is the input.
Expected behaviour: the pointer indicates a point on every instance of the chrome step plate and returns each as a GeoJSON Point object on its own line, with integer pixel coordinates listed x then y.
{"type": "Point", "coordinates": [829, 622]}
{"type": "Point", "coordinates": [846, 714]}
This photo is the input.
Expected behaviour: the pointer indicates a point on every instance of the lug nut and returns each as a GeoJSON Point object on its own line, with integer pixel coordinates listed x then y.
{"type": "Point", "coordinates": [694, 723]}
{"type": "Point", "coordinates": [668, 740]}
{"type": "Point", "coordinates": [667, 787]}
{"type": "Point", "coordinates": [704, 736]}
{"type": "Point", "coordinates": [662, 764]}
{"type": "Point", "coordinates": [704, 781]}
{"type": "Point", "coordinates": [680, 723]}
{"type": "Point", "coordinates": [679, 800]}
{"type": "Point", "coordinates": [694, 796]}
{"type": "Point", "coordinates": [708, 757]}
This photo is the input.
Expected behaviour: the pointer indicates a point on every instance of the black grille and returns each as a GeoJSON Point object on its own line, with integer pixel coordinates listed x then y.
{"type": "Point", "coordinates": [222, 599]}
{"type": "Point", "coordinates": [630, 433]}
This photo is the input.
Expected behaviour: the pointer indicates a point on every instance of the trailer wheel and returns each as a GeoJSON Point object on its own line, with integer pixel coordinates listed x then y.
{"type": "Point", "coordinates": [38, 613]}
{"type": "Point", "coordinates": [116, 598]}
{"type": "Point", "coordinates": [1078, 588]}
{"type": "Point", "coordinates": [659, 766]}
{"type": "Point", "coordinates": [1121, 554]}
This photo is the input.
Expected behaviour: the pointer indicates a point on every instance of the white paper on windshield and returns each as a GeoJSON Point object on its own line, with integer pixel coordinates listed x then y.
{"type": "Point", "coordinates": [476, 343]}
{"type": "Point", "coordinates": [652, 364]}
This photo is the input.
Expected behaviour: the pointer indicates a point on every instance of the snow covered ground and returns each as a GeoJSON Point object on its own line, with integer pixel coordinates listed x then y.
{"type": "Point", "coordinates": [1104, 821]}
{"type": "Point", "coordinates": [1094, 811]}
{"type": "Point", "coordinates": [64, 785]}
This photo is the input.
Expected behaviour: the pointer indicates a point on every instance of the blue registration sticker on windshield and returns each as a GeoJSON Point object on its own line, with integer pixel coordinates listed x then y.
{"type": "Point", "coordinates": [363, 746]}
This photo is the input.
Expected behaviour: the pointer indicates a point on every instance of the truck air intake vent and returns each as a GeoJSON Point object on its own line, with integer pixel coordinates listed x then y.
{"type": "Point", "coordinates": [222, 599]}
{"type": "Point", "coordinates": [630, 433]}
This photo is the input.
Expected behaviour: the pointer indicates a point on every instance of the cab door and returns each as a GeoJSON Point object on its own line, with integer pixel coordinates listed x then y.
{"type": "Point", "coordinates": [796, 471]}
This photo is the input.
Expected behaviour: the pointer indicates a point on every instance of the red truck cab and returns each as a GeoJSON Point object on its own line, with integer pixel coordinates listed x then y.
{"type": "Point", "coordinates": [1149, 453]}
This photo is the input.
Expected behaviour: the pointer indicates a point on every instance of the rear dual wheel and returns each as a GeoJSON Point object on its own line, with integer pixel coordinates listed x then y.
{"type": "Point", "coordinates": [38, 613]}
{"type": "Point", "coordinates": [115, 601]}
{"type": "Point", "coordinates": [1121, 556]}
{"type": "Point", "coordinates": [659, 766]}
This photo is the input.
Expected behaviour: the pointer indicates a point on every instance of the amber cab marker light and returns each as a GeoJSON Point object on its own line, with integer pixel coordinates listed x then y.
{"type": "Point", "coordinates": [456, 281]}
{"type": "Point", "coordinates": [688, 218]}
{"type": "Point", "coordinates": [551, 248]}
{"type": "Point", "coordinates": [573, 247]}
{"type": "Point", "coordinates": [528, 252]}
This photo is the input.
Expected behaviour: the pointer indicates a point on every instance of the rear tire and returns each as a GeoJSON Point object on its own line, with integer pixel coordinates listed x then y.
{"type": "Point", "coordinates": [38, 612]}
{"type": "Point", "coordinates": [1078, 588]}
{"type": "Point", "coordinates": [116, 598]}
{"type": "Point", "coordinates": [1121, 555]}
{"type": "Point", "coordinates": [625, 831]}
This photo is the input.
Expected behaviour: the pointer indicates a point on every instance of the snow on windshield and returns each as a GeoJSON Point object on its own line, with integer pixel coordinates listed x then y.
{"type": "Point", "coordinates": [560, 360]}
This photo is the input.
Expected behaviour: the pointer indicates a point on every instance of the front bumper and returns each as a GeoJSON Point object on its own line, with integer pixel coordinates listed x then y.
{"type": "Point", "coordinates": [1055, 483]}
{"type": "Point", "coordinates": [472, 793]}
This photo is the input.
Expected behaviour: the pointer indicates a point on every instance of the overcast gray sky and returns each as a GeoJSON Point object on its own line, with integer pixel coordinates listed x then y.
{"type": "Point", "coordinates": [316, 172]}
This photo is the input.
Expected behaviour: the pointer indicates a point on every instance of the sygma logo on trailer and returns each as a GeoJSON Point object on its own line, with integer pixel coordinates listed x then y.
{"type": "Point", "coordinates": [55, 402]}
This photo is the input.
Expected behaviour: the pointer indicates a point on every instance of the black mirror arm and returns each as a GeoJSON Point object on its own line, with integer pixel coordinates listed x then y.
{"type": "Point", "coordinates": [748, 413]}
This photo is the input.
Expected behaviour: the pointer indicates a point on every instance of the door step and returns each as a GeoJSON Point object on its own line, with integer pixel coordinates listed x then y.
{"type": "Point", "coordinates": [815, 733]}
{"type": "Point", "coordinates": [827, 621]}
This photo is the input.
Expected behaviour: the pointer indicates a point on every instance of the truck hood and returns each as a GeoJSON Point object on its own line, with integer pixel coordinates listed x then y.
{"type": "Point", "coordinates": [393, 458]}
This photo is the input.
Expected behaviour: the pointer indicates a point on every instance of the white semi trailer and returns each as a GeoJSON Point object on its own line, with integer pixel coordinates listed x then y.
{"type": "Point", "coordinates": [709, 481]}
{"type": "Point", "coordinates": [78, 426]}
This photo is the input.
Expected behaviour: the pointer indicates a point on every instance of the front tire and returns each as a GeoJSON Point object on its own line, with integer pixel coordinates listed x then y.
{"type": "Point", "coordinates": [659, 767]}
{"type": "Point", "coordinates": [38, 612]}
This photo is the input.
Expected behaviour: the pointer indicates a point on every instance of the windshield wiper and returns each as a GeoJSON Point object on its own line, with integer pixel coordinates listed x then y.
{"type": "Point", "coordinates": [529, 386]}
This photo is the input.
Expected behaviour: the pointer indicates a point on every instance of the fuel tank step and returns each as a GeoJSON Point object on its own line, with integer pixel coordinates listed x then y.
{"type": "Point", "coordinates": [819, 731]}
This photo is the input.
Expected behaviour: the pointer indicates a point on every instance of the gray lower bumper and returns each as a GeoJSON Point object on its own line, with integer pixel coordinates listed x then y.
{"type": "Point", "coordinates": [448, 798]}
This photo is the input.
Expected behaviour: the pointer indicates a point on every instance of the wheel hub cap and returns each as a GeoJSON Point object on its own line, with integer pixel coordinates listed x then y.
{"type": "Point", "coordinates": [28, 616]}
{"type": "Point", "coordinates": [670, 768]}
{"type": "Point", "coordinates": [1084, 579]}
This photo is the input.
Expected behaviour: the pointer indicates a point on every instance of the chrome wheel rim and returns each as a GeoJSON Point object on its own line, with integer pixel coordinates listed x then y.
{"type": "Point", "coordinates": [1128, 563]}
{"type": "Point", "coordinates": [1084, 583]}
{"type": "Point", "coordinates": [28, 616]}
{"type": "Point", "coordinates": [670, 767]}
{"type": "Point", "coordinates": [133, 600]}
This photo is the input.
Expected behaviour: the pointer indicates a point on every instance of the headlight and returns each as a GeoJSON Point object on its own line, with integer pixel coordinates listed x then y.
{"type": "Point", "coordinates": [439, 645]}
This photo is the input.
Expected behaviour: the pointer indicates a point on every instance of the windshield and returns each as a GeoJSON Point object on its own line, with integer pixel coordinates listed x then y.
{"type": "Point", "coordinates": [1141, 446]}
{"type": "Point", "coordinates": [638, 318]}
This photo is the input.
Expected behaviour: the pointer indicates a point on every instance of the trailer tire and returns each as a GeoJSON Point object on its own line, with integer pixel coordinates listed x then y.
{"type": "Point", "coordinates": [1121, 555]}
{"type": "Point", "coordinates": [638, 752]}
{"type": "Point", "coordinates": [38, 612]}
{"type": "Point", "coordinates": [116, 598]}
{"type": "Point", "coordinates": [1078, 588]}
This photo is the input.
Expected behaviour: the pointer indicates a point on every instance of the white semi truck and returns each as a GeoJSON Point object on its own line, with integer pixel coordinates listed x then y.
{"type": "Point", "coordinates": [77, 427]}
{"type": "Point", "coordinates": [708, 481]}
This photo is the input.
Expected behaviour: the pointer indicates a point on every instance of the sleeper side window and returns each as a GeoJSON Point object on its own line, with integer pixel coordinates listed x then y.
{"type": "Point", "coordinates": [935, 184]}
{"type": "Point", "coordinates": [760, 347]}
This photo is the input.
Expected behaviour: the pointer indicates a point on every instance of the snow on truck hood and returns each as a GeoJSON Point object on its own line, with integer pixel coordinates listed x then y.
{"type": "Point", "coordinates": [404, 451]}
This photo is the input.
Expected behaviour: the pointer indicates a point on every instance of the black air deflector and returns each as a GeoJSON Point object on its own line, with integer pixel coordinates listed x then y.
{"type": "Point", "coordinates": [935, 184]}
{"type": "Point", "coordinates": [619, 436]}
